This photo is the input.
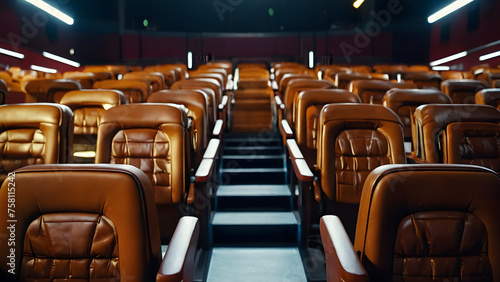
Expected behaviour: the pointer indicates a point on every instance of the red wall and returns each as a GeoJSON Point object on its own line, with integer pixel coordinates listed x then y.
{"type": "Point", "coordinates": [462, 40]}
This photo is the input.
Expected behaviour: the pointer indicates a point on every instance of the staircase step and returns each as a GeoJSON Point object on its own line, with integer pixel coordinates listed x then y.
{"type": "Point", "coordinates": [254, 227]}
{"type": "Point", "coordinates": [254, 161]}
{"type": "Point", "coordinates": [252, 150]}
{"type": "Point", "coordinates": [238, 176]}
{"type": "Point", "coordinates": [253, 197]}
{"type": "Point", "coordinates": [251, 142]}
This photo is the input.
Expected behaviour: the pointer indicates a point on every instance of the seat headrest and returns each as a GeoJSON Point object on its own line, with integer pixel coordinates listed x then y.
{"type": "Point", "coordinates": [43, 85]}
{"type": "Point", "coordinates": [29, 114]}
{"type": "Point", "coordinates": [93, 97]}
{"type": "Point", "coordinates": [122, 85]}
{"type": "Point", "coordinates": [416, 96]}
{"type": "Point", "coordinates": [145, 115]}
{"type": "Point", "coordinates": [441, 115]}
{"type": "Point", "coordinates": [320, 96]}
{"type": "Point", "coordinates": [464, 85]}
{"type": "Point", "coordinates": [358, 112]}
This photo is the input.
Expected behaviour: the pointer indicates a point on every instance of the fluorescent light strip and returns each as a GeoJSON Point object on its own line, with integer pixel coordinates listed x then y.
{"type": "Point", "coordinates": [449, 58]}
{"type": "Point", "coordinates": [11, 53]}
{"type": "Point", "coordinates": [358, 3]}
{"type": "Point", "coordinates": [61, 59]}
{"type": "Point", "coordinates": [42, 69]}
{"type": "Point", "coordinates": [448, 10]}
{"type": "Point", "coordinates": [440, 68]}
{"type": "Point", "coordinates": [311, 59]}
{"type": "Point", "coordinates": [190, 60]}
{"type": "Point", "coordinates": [53, 11]}
{"type": "Point", "coordinates": [489, 56]}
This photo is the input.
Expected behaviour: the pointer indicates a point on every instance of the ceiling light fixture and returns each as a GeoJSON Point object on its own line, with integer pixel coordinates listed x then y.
{"type": "Point", "coordinates": [440, 68]}
{"type": "Point", "coordinates": [61, 59]}
{"type": "Point", "coordinates": [448, 10]}
{"type": "Point", "coordinates": [43, 69]}
{"type": "Point", "coordinates": [357, 3]}
{"type": "Point", "coordinates": [53, 11]}
{"type": "Point", "coordinates": [449, 58]}
{"type": "Point", "coordinates": [489, 56]}
{"type": "Point", "coordinates": [11, 53]}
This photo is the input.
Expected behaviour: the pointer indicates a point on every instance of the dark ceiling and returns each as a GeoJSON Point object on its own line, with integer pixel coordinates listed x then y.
{"type": "Point", "coordinates": [235, 15]}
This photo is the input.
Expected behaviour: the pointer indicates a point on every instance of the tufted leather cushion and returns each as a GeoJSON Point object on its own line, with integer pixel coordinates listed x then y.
{"type": "Point", "coordinates": [431, 121]}
{"type": "Point", "coordinates": [462, 91]}
{"type": "Point", "coordinates": [293, 90]}
{"type": "Point", "coordinates": [152, 137]}
{"type": "Point", "coordinates": [404, 102]}
{"type": "Point", "coordinates": [87, 247]}
{"type": "Point", "coordinates": [476, 143]}
{"type": "Point", "coordinates": [110, 207]}
{"type": "Point", "coordinates": [430, 222]}
{"type": "Point", "coordinates": [365, 137]}
{"type": "Point", "coordinates": [196, 102]}
{"type": "Point", "coordinates": [135, 90]}
{"type": "Point", "coordinates": [488, 97]}
{"type": "Point", "coordinates": [441, 245]}
{"type": "Point", "coordinates": [34, 134]}
{"type": "Point", "coordinates": [49, 90]}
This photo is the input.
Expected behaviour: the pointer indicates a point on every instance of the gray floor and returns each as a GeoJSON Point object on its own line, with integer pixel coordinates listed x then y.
{"type": "Point", "coordinates": [256, 264]}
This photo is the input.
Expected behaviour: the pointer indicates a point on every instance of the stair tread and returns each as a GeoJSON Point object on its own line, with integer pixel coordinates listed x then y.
{"type": "Point", "coordinates": [253, 156]}
{"type": "Point", "coordinates": [252, 170]}
{"type": "Point", "coordinates": [254, 218]}
{"type": "Point", "coordinates": [253, 190]}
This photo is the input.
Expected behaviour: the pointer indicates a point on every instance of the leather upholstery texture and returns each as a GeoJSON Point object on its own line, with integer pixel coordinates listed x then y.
{"type": "Point", "coordinates": [353, 140]}
{"type": "Point", "coordinates": [135, 90]}
{"type": "Point", "coordinates": [49, 90]}
{"type": "Point", "coordinates": [430, 222]}
{"type": "Point", "coordinates": [462, 91]}
{"type": "Point", "coordinates": [488, 97]}
{"type": "Point", "coordinates": [152, 137]}
{"type": "Point", "coordinates": [82, 223]}
{"type": "Point", "coordinates": [372, 91]}
{"type": "Point", "coordinates": [199, 83]}
{"type": "Point", "coordinates": [34, 134]}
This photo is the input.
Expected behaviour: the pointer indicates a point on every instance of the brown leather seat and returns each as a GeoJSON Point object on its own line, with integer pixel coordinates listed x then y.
{"type": "Point", "coordinates": [86, 79]}
{"type": "Point", "coordinates": [221, 79]}
{"type": "Point", "coordinates": [49, 90]}
{"type": "Point", "coordinates": [279, 73]}
{"type": "Point", "coordinates": [424, 79]}
{"type": "Point", "coordinates": [488, 97]}
{"type": "Point", "coordinates": [210, 94]}
{"type": "Point", "coordinates": [361, 69]}
{"type": "Point", "coordinates": [3, 91]}
{"type": "Point", "coordinates": [226, 65]}
{"type": "Point", "coordinates": [354, 139]}
{"type": "Point", "coordinates": [420, 223]}
{"type": "Point", "coordinates": [342, 80]}
{"type": "Point", "coordinates": [293, 89]}
{"type": "Point", "coordinates": [170, 74]}
{"type": "Point", "coordinates": [135, 90]}
{"type": "Point", "coordinates": [34, 134]}
{"type": "Point", "coordinates": [462, 91]}
{"type": "Point", "coordinates": [196, 102]}
{"type": "Point", "coordinates": [287, 78]}
{"type": "Point", "coordinates": [198, 83]}
{"type": "Point", "coordinates": [373, 91]}
{"type": "Point", "coordinates": [154, 79]}
{"type": "Point", "coordinates": [331, 71]}
{"type": "Point", "coordinates": [90, 222]}
{"type": "Point", "coordinates": [469, 128]}
{"type": "Point", "coordinates": [88, 107]}
{"type": "Point", "coordinates": [404, 102]}
{"type": "Point", "coordinates": [307, 109]}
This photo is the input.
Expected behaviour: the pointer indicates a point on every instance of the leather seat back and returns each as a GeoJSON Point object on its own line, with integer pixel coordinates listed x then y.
{"type": "Point", "coordinates": [488, 97]}
{"type": "Point", "coordinates": [373, 91]}
{"type": "Point", "coordinates": [287, 78]}
{"type": "Point", "coordinates": [49, 90]}
{"type": "Point", "coordinates": [431, 122]}
{"type": "Point", "coordinates": [430, 222]}
{"type": "Point", "coordinates": [353, 140]}
{"type": "Point", "coordinates": [196, 102]}
{"type": "Point", "coordinates": [85, 222]}
{"type": "Point", "coordinates": [135, 90]}
{"type": "Point", "coordinates": [462, 91]}
{"type": "Point", "coordinates": [86, 79]}
{"type": "Point", "coordinates": [342, 80]}
{"type": "Point", "coordinates": [217, 76]}
{"type": "Point", "coordinates": [424, 79]}
{"type": "Point", "coordinates": [198, 83]}
{"type": "Point", "coordinates": [404, 102]}
{"type": "Point", "coordinates": [293, 89]}
{"type": "Point", "coordinates": [34, 134]}
{"type": "Point", "coordinates": [152, 137]}
{"type": "Point", "coordinates": [154, 79]}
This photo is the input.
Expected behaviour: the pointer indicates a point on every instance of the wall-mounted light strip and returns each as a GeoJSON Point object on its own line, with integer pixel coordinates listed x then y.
{"type": "Point", "coordinates": [52, 11]}
{"type": "Point", "coordinates": [190, 60]}
{"type": "Point", "coordinates": [11, 53]}
{"type": "Point", "coordinates": [61, 59]}
{"type": "Point", "coordinates": [489, 56]}
{"type": "Point", "coordinates": [42, 69]}
{"type": "Point", "coordinates": [449, 58]}
{"type": "Point", "coordinates": [448, 10]}
{"type": "Point", "coordinates": [311, 59]}
{"type": "Point", "coordinates": [357, 3]}
{"type": "Point", "coordinates": [440, 68]}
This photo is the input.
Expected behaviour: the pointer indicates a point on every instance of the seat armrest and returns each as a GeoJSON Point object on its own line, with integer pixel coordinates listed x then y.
{"type": "Point", "coordinates": [342, 263]}
{"type": "Point", "coordinates": [223, 103]}
{"type": "Point", "coordinates": [300, 166]}
{"type": "Point", "coordinates": [212, 149]}
{"type": "Point", "coordinates": [274, 85]}
{"type": "Point", "coordinates": [285, 129]}
{"type": "Point", "coordinates": [178, 263]}
{"type": "Point", "coordinates": [207, 164]}
{"type": "Point", "coordinates": [217, 131]}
